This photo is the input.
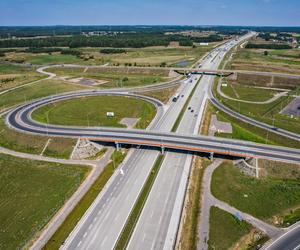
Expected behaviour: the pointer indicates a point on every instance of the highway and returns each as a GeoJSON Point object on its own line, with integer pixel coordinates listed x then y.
{"type": "Point", "coordinates": [105, 219]}
{"type": "Point", "coordinates": [159, 221]}
{"type": "Point", "coordinates": [288, 241]}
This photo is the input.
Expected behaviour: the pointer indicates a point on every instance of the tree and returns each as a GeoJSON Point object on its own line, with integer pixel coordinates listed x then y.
{"type": "Point", "coordinates": [266, 53]}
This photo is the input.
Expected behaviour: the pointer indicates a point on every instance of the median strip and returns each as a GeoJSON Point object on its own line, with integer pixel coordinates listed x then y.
{"type": "Point", "coordinates": [138, 207]}
{"type": "Point", "coordinates": [179, 118]}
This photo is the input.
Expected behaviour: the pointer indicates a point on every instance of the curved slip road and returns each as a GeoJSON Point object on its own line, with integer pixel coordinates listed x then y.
{"type": "Point", "coordinates": [20, 119]}
{"type": "Point", "coordinates": [251, 121]}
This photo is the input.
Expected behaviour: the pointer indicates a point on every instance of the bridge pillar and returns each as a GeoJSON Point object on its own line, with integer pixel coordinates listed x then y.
{"type": "Point", "coordinates": [256, 168]}
{"type": "Point", "coordinates": [211, 156]}
{"type": "Point", "coordinates": [162, 150]}
{"type": "Point", "coordinates": [118, 146]}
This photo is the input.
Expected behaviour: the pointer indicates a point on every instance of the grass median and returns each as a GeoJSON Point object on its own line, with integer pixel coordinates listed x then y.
{"type": "Point", "coordinates": [138, 207]}
{"type": "Point", "coordinates": [184, 108]}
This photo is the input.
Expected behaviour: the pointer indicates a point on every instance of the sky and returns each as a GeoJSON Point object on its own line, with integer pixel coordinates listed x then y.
{"type": "Point", "coordinates": [151, 12]}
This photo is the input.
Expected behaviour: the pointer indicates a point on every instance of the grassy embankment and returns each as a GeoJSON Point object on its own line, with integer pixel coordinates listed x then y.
{"type": "Point", "coordinates": [225, 230]}
{"type": "Point", "coordinates": [162, 95]}
{"type": "Point", "coordinates": [262, 198]}
{"type": "Point", "coordinates": [12, 76]}
{"type": "Point", "coordinates": [91, 111]}
{"type": "Point", "coordinates": [31, 193]}
{"type": "Point", "coordinates": [66, 228]}
{"type": "Point", "coordinates": [189, 231]}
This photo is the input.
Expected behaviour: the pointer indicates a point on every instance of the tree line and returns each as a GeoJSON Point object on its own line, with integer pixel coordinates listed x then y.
{"type": "Point", "coordinates": [267, 46]}
{"type": "Point", "coordinates": [122, 40]}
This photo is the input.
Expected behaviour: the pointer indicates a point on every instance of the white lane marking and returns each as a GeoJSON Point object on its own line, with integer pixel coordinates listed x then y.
{"type": "Point", "coordinates": [85, 234]}
{"type": "Point", "coordinates": [79, 243]}
{"type": "Point", "coordinates": [105, 238]}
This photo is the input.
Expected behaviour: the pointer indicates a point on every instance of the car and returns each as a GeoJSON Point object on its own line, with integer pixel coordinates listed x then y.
{"type": "Point", "coordinates": [189, 108]}
{"type": "Point", "coordinates": [192, 111]}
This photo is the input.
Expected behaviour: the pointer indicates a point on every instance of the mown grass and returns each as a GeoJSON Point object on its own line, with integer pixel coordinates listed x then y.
{"type": "Point", "coordinates": [73, 218]}
{"type": "Point", "coordinates": [285, 61]}
{"type": "Point", "coordinates": [13, 76]}
{"type": "Point", "coordinates": [60, 147]}
{"type": "Point", "coordinates": [91, 111]}
{"type": "Point", "coordinates": [116, 78]}
{"type": "Point", "coordinates": [245, 131]}
{"type": "Point", "coordinates": [138, 207]}
{"type": "Point", "coordinates": [151, 56]}
{"type": "Point", "coordinates": [34, 91]}
{"type": "Point", "coordinates": [267, 113]}
{"type": "Point", "coordinates": [225, 230]}
{"type": "Point", "coordinates": [34, 144]}
{"type": "Point", "coordinates": [44, 58]}
{"type": "Point", "coordinates": [248, 93]}
{"type": "Point", "coordinates": [262, 198]}
{"type": "Point", "coordinates": [31, 193]}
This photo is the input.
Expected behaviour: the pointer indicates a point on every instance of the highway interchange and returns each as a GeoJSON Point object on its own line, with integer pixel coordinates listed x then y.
{"type": "Point", "coordinates": [157, 226]}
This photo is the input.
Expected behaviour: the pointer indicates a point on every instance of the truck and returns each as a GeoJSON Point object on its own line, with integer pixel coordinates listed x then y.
{"type": "Point", "coordinates": [175, 97]}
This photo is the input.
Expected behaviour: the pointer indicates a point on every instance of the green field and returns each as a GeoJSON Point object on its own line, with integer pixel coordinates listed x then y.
{"type": "Point", "coordinates": [12, 76]}
{"type": "Point", "coordinates": [245, 131]}
{"type": "Point", "coordinates": [268, 113]}
{"type": "Point", "coordinates": [35, 91]}
{"type": "Point", "coordinates": [285, 61]}
{"type": "Point", "coordinates": [91, 111]}
{"type": "Point", "coordinates": [66, 228]}
{"type": "Point", "coordinates": [248, 93]}
{"type": "Point", "coordinates": [44, 58]}
{"type": "Point", "coordinates": [225, 230]}
{"type": "Point", "coordinates": [116, 78]}
{"type": "Point", "coordinates": [34, 144]}
{"type": "Point", "coordinates": [149, 56]}
{"type": "Point", "coordinates": [31, 193]}
{"type": "Point", "coordinates": [262, 198]}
